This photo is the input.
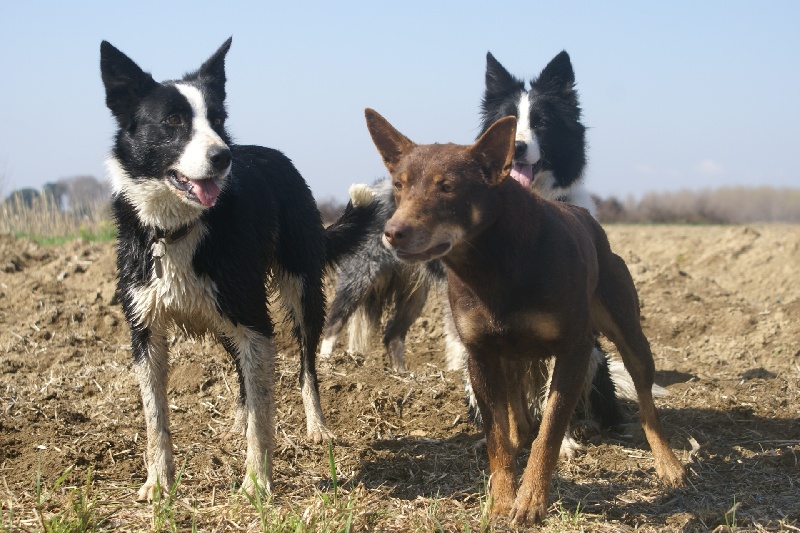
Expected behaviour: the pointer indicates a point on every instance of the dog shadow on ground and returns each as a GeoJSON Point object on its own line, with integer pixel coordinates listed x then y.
{"type": "Point", "coordinates": [740, 465]}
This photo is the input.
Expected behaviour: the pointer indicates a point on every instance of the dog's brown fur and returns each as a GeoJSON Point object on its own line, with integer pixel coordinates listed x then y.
{"type": "Point", "coordinates": [528, 279]}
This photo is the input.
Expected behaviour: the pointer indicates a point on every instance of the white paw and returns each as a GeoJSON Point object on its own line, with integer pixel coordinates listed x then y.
{"type": "Point", "coordinates": [319, 433]}
{"type": "Point", "coordinates": [326, 346]}
{"type": "Point", "coordinates": [569, 447]}
{"type": "Point", "coordinates": [150, 491]}
{"type": "Point", "coordinates": [251, 482]}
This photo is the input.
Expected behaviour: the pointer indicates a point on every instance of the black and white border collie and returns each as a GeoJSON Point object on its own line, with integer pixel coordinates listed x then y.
{"type": "Point", "coordinates": [204, 227]}
{"type": "Point", "coordinates": [550, 148]}
{"type": "Point", "coordinates": [550, 158]}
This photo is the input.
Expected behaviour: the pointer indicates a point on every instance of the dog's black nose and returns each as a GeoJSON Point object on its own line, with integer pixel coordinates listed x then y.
{"type": "Point", "coordinates": [220, 158]}
{"type": "Point", "coordinates": [519, 149]}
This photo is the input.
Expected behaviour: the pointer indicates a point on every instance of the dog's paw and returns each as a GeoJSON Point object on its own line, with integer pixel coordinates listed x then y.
{"type": "Point", "coordinates": [395, 350]}
{"type": "Point", "coordinates": [360, 194]}
{"type": "Point", "coordinates": [528, 509]}
{"type": "Point", "coordinates": [569, 447]}
{"type": "Point", "coordinates": [676, 479]}
{"type": "Point", "coordinates": [501, 509]}
{"type": "Point", "coordinates": [502, 485]}
{"type": "Point", "coordinates": [150, 491]}
{"type": "Point", "coordinates": [399, 367]}
{"type": "Point", "coordinates": [252, 484]}
{"type": "Point", "coordinates": [160, 478]}
{"type": "Point", "coordinates": [326, 346]}
{"type": "Point", "coordinates": [320, 433]}
{"type": "Point", "coordinates": [672, 473]}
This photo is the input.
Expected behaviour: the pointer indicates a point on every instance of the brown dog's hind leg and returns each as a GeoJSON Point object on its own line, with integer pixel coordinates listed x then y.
{"type": "Point", "coordinates": [615, 312]}
{"type": "Point", "coordinates": [569, 374]}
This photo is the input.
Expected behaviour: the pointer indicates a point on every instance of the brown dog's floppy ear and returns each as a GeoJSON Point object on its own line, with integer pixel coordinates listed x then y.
{"type": "Point", "coordinates": [496, 148]}
{"type": "Point", "coordinates": [391, 144]}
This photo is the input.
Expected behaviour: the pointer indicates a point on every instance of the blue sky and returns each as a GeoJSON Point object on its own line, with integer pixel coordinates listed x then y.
{"type": "Point", "coordinates": [679, 94]}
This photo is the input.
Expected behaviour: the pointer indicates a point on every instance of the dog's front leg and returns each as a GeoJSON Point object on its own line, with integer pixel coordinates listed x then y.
{"type": "Point", "coordinates": [255, 352]}
{"type": "Point", "coordinates": [151, 365]}
{"type": "Point", "coordinates": [492, 394]}
{"type": "Point", "coordinates": [569, 373]}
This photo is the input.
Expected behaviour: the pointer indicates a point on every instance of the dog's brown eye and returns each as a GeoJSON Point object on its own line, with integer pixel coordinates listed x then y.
{"type": "Point", "coordinates": [174, 120]}
{"type": "Point", "coordinates": [216, 121]}
{"type": "Point", "coordinates": [446, 186]}
{"type": "Point", "coordinates": [398, 185]}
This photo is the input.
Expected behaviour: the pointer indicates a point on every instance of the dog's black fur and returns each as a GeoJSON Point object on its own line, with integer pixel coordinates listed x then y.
{"type": "Point", "coordinates": [203, 226]}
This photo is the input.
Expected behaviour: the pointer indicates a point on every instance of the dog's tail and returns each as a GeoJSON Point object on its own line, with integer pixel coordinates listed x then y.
{"type": "Point", "coordinates": [624, 383]}
{"type": "Point", "coordinates": [347, 233]}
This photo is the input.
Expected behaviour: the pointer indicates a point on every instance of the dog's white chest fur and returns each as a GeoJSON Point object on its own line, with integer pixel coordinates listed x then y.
{"type": "Point", "coordinates": [179, 293]}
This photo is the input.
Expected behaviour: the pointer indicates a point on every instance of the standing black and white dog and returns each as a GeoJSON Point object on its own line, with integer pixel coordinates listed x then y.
{"type": "Point", "coordinates": [550, 148]}
{"type": "Point", "coordinates": [550, 158]}
{"type": "Point", "coordinates": [203, 226]}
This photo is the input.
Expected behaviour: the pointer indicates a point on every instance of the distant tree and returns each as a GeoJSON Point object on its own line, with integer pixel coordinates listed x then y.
{"type": "Point", "coordinates": [86, 189]}
{"type": "Point", "coordinates": [77, 193]}
{"type": "Point", "coordinates": [609, 209]}
{"type": "Point", "coordinates": [23, 198]}
{"type": "Point", "coordinates": [725, 205]}
{"type": "Point", "coordinates": [60, 193]}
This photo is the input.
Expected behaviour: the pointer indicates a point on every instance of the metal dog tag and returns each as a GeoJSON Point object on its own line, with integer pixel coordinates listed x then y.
{"type": "Point", "coordinates": [158, 250]}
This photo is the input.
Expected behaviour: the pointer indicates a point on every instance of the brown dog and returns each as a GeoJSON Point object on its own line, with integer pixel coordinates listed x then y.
{"type": "Point", "coordinates": [528, 279]}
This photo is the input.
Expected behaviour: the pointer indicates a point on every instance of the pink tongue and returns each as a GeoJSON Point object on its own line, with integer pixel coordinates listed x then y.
{"type": "Point", "coordinates": [522, 173]}
{"type": "Point", "coordinates": [206, 191]}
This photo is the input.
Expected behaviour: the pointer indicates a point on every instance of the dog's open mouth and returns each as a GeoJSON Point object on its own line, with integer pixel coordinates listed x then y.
{"type": "Point", "coordinates": [522, 173]}
{"type": "Point", "coordinates": [203, 191]}
{"type": "Point", "coordinates": [431, 253]}
{"type": "Point", "coordinates": [525, 173]}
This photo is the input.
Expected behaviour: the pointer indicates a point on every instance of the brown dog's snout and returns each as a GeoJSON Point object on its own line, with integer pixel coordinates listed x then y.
{"type": "Point", "coordinates": [396, 232]}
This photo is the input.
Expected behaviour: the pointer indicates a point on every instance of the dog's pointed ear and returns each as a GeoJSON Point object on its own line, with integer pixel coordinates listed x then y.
{"type": "Point", "coordinates": [557, 73]}
{"type": "Point", "coordinates": [498, 79]}
{"type": "Point", "coordinates": [212, 72]}
{"type": "Point", "coordinates": [495, 149]}
{"type": "Point", "coordinates": [126, 84]}
{"type": "Point", "coordinates": [499, 85]}
{"type": "Point", "coordinates": [391, 144]}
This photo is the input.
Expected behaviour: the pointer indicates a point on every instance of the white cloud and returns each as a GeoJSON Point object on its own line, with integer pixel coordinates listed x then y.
{"type": "Point", "coordinates": [708, 167]}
